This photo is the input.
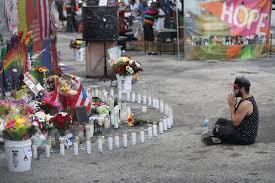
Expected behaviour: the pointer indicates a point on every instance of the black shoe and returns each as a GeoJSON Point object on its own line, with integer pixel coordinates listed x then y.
{"type": "Point", "coordinates": [211, 140]}
{"type": "Point", "coordinates": [154, 53]}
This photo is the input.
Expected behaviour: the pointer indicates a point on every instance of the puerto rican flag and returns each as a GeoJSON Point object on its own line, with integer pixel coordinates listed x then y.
{"type": "Point", "coordinates": [81, 99]}
{"type": "Point", "coordinates": [44, 18]}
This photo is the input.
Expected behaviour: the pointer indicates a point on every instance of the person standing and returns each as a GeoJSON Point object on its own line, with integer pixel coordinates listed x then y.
{"type": "Point", "coordinates": [149, 17]}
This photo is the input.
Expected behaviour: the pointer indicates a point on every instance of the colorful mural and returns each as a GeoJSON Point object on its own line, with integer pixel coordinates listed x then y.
{"type": "Point", "coordinates": [226, 29]}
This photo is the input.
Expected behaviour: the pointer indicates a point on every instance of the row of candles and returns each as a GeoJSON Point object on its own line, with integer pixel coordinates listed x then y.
{"type": "Point", "coordinates": [114, 142]}
{"type": "Point", "coordinates": [163, 125]}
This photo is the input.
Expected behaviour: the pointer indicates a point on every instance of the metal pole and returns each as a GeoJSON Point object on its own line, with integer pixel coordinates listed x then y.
{"type": "Point", "coordinates": [178, 36]}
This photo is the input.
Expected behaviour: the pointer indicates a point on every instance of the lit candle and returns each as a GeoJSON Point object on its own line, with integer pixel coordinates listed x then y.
{"type": "Point", "coordinates": [125, 143]}
{"type": "Point", "coordinates": [142, 136]}
{"type": "Point", "coordinates": [160, 127]}
{"type": "Point", "coordinates": [164, 124]}
{"type": "Point", "coordinates": [48, 151]}
{"type": "Point", "coordinates": [128, 96]}
{"type": "Point", "coordinates": [76, 148]}
{"type": "Point", "coordinates": [139, 98]}
{"type": "Point", "coordinates": [144, 99]}
{"type": "Point", "coordinates": [62, 147]}
{"type": "Point", "coordinates": [119, 95]}
{"type": "Point", "coordinates": [89, 146]}
{"type": "Point", "coordinates": [117, 141]}
{"type": "Point", "coordinates": [149, 101]}
{"type": "Point", "coordinates": [133, 97]}
{"type": "Point", "coordinates": [144, 109]}
{"type": "Point", "coordinates": [99, 143]}
{"type": "Point", "coordinates": [150, 132]}
{"type": "Point", "coordinates": [34, 151]}
{"type": "Point", "coordinates": [155, 129]}
{"type": "Point", "coordinates": [134, 138]}
{"type": "Point", "coordinates": [110, 143]}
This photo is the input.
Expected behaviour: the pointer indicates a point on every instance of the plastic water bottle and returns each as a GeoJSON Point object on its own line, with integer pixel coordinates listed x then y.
{"type": "Point", "coordinates": [205, 125]}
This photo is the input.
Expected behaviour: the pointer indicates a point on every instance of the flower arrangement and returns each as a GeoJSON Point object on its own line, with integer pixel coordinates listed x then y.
{"type": "Point", "coordinates": [99, 107]}
{"type": "Point", "coordinates": [4, 109]}
{"type": "Point", "coordinates": [76, 44]}
{"type": "Point", "coordinates": [125, 66]}
{"type": "Point", "coordinates": [134, 121]}
{"type": "Point", "coordinates": [131, 119]}
{"type": "Point", "coordinates": [18, 128]}
{"type": "Point", "coordinates": [62, 122]}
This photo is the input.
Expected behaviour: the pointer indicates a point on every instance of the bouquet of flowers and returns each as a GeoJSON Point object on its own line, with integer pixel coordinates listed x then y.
{"type": "Point", "coordinates": [125, 66]}
{"type": "Point", "coordinates": [76, 44]}
{"type": "Point", "coordinates": [62, 122]}
{"type": "Point", "coordinates": [99, 107]}
{"type": "Point", "coordinates": [18, 128]}
{"type": "Point", "coordinates": [4, 109]}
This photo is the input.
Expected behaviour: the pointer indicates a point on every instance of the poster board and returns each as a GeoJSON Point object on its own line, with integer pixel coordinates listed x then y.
{"type": "Point", "coordinates": [218, 29]}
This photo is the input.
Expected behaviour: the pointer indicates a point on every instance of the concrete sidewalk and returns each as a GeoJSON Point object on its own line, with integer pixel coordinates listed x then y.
{"type": "Point", "coordinates": [197, 90]}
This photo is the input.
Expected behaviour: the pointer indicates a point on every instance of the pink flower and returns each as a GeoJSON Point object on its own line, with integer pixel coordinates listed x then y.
{"type": "Point", "coordinates": [10, 124]}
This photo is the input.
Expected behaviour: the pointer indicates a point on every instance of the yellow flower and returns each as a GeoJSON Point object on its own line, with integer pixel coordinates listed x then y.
{"type": "Point", "coordinates": [19, 122]}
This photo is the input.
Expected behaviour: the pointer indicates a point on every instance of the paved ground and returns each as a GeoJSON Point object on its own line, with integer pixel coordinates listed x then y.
{"type": "Point", "coordinates": [196, 89]}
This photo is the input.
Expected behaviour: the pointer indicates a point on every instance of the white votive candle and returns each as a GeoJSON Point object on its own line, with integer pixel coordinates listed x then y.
{"type": "Point", "coordinates": [161, 107]}
{"type": "Point", "coordinates": [128, 96]}
{"type": "Point", "coordinates": [89, 146]}
{"type": "Point", "coordinates": [125, 140]}
{"type": "Point", "coordinates": [96, 93]}
{"type": "Point", "coordinates": [149, 101]}
{"type": "Point", "coordinates": [110, 143]}
{"type": "Point", "coordinates": [144, 99]}
{"type": "Point", "coordinates": [112, 92]}
{"type": "Point", "coordinates": [150, 133]}
{"type": "Point", "coordinates": [160, 127]}
{"type": "Point", "coordinates": [119, 95]}
{"type": "Point", "coordinates": [76, 148]}
{"type": "Point", "coordinates": [99, 144]}
{"type": "Point", "coordinates": [133, 97]}
{"type": "Point", "coordinates": [48, 150]}
{"type": "Point", "coordinates": [117, 141]}
{"type": "Point", "coordinates": [168, 122]}
{"type": "Point", "coordinates": [34, 151]}
{"type": "Point", "coordinates": [164, 124]}
{"type": "Point", "coordinates": [157, 104]}
{"type": "Point", "coordinates": [155, 130]}
{"type": "Point", "coordinates": [139, 98]}
{"type": "Point", "coordinates": [134, 138]}
{"type": "Point", "coordinates": [142, 136]}
{"type": "Point", "coordinates": [62, 149]}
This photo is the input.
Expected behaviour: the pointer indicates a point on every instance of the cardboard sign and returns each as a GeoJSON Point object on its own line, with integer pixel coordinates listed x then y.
{"type": "Point", "coordinates": [81, 114]}
{"type": "Point", "coordinates": [32, 83]}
